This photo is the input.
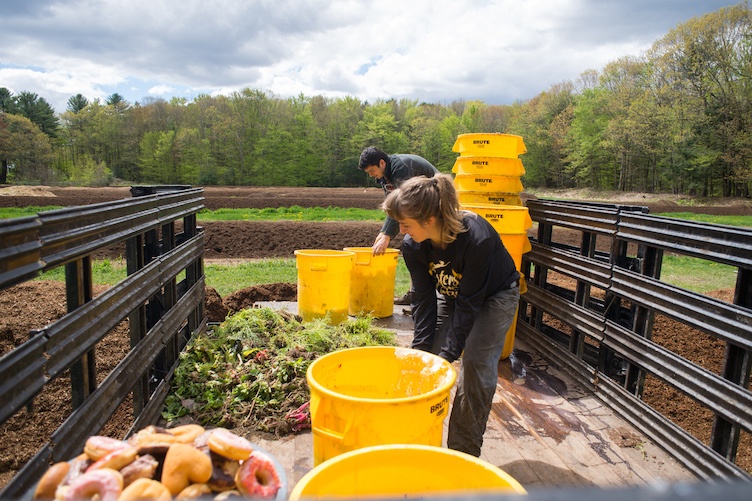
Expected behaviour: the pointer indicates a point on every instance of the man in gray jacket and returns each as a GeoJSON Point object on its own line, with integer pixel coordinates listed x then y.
{"type": "Point", "coordinates": [390, 171]}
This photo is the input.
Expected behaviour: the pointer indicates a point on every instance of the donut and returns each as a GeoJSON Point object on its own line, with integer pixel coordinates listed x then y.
{"type": "Point", "coordinates": [228, 495]}
{"type": "Point", "coordinates": [49, 482]}
{"type": "Point", "coordinates": [186, 433]}
{"type": "Point", "coordinates": [257, 476]}
{"type": "Point", "coordinates": [183, 465]}
{"type": "Point", "coordinates": [227, 444]}
{"type": "Point", "coordinates": [115, 459]}
{"type": "Point", "coordinates": [142, 467]}
{"type": "Point", "coordinates": [152, 435]}
{"type": "Point", "coordinates": [145, 489]}
{"type": "Point", "coordinates": [223, 473]}
{"type": "Point", "coordinates": [105, 483]}
{"type": "Point", "coordinates": [97, 446]}
{"type": "Point", "coordinates": [194, 491]}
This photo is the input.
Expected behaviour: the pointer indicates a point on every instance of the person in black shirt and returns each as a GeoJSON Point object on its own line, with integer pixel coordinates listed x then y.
{"type": "Point", "coordinates": [465, 294]}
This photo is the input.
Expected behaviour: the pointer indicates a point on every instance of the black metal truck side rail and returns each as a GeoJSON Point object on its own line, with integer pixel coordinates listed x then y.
{"type": "Point", "coordinates": [609, 315]}
{"type": "Point", "coordinates": [163, 313]}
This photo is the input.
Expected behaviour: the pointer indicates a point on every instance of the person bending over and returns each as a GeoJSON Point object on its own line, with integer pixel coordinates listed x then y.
{"type": "Point", "coordinates": [465, 294]}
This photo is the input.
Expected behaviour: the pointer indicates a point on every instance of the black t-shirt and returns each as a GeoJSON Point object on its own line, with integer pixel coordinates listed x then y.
{"type": "Point", "coordinates": [472, 268]}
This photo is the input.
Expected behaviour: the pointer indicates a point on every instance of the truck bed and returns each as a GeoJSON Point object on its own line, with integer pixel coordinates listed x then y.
{"type": "Point", "coordinates": [544, 430]}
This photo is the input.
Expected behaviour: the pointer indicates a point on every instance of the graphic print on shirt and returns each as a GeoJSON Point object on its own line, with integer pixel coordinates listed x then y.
{"type": "Point", "coordinates": [447, 280]}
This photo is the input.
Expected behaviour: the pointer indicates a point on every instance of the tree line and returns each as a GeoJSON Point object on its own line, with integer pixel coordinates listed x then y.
{"type": "Point", "coordinates": [677, 118]}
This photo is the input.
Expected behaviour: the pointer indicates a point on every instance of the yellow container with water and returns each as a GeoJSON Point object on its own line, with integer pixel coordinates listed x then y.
{"type": "Point", "coordinates": [488, 183]}
{"type": "Point", "coordinates": [488, 198]}
{"type": "Point", "coordinates": [372, 282]}
{"type": "Point", "coordinates": [324, 283]}
{"type": "Point", "coordinates": [377, 395]}
{"type": "Point", "coordinates": [497, 166]}
{"type": "Point", "coordinates": [404, 470]}
{"type": "Point", "coordinates": [490, 144]}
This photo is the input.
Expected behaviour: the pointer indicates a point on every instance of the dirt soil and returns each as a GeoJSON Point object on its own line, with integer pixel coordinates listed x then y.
{"type": "Point", "coordinates": [33, 305]}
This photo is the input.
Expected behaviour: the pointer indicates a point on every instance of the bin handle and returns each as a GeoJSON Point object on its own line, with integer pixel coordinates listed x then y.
{"type": "Point", "coordinates": [340, 437]}
{"type": "Point", "coordinates": [318, 266]}
{"type": "Point", "coordinates": [366, 262]}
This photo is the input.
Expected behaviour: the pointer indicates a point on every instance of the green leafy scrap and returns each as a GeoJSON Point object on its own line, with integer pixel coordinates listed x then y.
{"type": "Point", "coordinates": [250, 372]}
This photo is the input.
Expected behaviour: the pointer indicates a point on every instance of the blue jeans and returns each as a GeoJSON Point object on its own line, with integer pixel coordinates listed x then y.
{"type": "Point", "coordinates": [476, 382]}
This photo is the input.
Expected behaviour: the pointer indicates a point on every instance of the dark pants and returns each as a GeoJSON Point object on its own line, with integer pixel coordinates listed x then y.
{"type": "Point", "coordinates": [476, 383]}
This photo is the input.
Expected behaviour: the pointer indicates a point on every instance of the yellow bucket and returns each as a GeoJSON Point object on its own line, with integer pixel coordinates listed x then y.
{"type": "Point", "coordinates": [323, 283]}
{"type": "Point", "coordinates": [404, 470]}
{"type": "Point", "coordinates": [488, 182]}
{"type": "Point", "coordinates": [372, 282]}
{"type": "Point", "coordinates": [490, 145]}
{"type": "Point", "coordinates": [504, 218]}
{"type": "Point", "coordinates": [497, 166]}
{"type": "Point", "coordinates": [377, 395]}
{"type": "Point", "coordinates": [486, 198]}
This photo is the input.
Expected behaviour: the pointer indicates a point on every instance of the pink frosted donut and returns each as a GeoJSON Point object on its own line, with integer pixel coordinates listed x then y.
{"type": "Point", "coordinates": [257, 477]}
{"type": "Point", "coordinates": [105, 483]}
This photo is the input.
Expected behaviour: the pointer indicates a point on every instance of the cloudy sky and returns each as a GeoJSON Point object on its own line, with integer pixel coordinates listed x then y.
{"type": "Point", "coordinates": [498, 51]}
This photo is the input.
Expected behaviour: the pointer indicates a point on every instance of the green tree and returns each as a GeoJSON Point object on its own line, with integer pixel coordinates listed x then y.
{"type": "Point", "coordinates": [77, 103]}
{"type": "Point", "coordinates": [38, 110]}
{"type": "Point", "coordinates": [25, 151]}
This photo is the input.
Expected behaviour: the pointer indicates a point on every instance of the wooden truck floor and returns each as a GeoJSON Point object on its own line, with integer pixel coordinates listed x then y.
{"type": "Point", "coordinates": [544, 430]}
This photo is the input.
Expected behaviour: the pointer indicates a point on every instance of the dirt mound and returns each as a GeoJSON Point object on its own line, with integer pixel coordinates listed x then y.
{"type": "Point", "coordinates": [25, 191]}
{"type": "Point", "coordinates": [245, 298]}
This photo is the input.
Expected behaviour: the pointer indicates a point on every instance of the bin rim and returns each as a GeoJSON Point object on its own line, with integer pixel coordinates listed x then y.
{"type": "Point", "coordinates": [389, 250]}
{"type": "Point", "coordinates": [446, 385]}
{"type": "Point", "coordinates": [323, 252]}
{"type": "Point", "coordinates": [296, 493]}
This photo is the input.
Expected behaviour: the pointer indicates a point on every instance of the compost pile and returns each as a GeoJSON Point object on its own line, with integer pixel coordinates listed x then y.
{"type": "Point", "coordinates": [249, 374]}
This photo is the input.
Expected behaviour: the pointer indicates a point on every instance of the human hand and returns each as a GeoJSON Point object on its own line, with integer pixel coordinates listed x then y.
{"type": "Point", "coordinates": [380, 245]}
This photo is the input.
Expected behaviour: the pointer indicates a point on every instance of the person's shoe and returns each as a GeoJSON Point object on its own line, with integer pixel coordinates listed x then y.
{"type": "Point", "coordinates": [404, 299]}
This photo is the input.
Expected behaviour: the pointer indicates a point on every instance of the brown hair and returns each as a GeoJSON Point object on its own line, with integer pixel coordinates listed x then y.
{"type": "Point", "coordinates": [421, 198]}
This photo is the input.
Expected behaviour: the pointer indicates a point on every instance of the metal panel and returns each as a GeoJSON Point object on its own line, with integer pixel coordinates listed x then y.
{"type": "Point", "coordinates": [731, 245]}
{"type": "Point", "coordinates": [729, 322]}
{"type": "Point", "coordinates": [19, 250]}
{"type": "Point", "coordinates": [725, 398]}
{"type": "Point", "coordinates": [21, 375]}
{"type": "Point", "coordinates": [601, 220]}
{"type": "Point", "coordinates": [573, 315]}
{"type": "Point", "coordinates": [594, 272]}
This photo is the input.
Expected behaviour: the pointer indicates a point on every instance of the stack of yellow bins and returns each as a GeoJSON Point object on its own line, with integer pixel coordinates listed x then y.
{"type": "Point", "coordinates": [487, 178]}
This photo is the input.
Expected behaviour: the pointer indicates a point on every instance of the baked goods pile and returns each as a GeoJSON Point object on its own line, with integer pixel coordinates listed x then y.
{"type": "Point", "coordinates": [186, 462]}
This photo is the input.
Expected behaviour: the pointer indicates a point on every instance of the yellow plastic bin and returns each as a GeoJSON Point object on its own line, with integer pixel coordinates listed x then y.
{"type": "Point", "coordinates": [323, 283]}
{"type": "Point", "coordinates": [377, 395]}
{"type": "Point", "coordinates": [404, 470]}
{"type": "Point", "coordinates": [504, 218]}
{"type": "Point", "coordinates": [509, 339]}
{"type": "Point", "coordinates": [490, 144]}
{"type": "Point", "coordinates": [488, 182]}
{"type": "Point", "coordinates": [516, 244]}
{"type": "Point", "coordinates": [372, 282]}
{"type": "Point", "coordinates": [488, 198]}
{"type": "Point", "coordinates": [498, 166]}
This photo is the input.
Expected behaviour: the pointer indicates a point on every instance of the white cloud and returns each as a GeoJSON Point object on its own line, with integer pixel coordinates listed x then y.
{"type": "Point", "coordinates": [434, 50]}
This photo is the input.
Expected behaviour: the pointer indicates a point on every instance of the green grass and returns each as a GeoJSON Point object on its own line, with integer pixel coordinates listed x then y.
{"type": "Point", "coordinates": [294, 213]}
{"type": "Point", "coordinates": [226, 279]}
{"type": "Point", "coordinates": [697, 275]}
{"type": "Point", "coordinates": [708, 218]}
{"type": "Point", "coordinates": [11, 212]}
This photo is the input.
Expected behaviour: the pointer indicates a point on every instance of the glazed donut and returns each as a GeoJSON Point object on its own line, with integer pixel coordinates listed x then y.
{"type": "Point", "coordinates": [53, 477]}
{"type": "Point", "coordinates": [186, 433]}
{"type": "Point", "coordinates": [183, 465]}
{"type": "Point", "coordinates": [151, 435]}
{"type": "Point", "coordinates": [143, 467]}
{"type": "Point", "coordinates": [105, 483]}
{"type": "Point", "coordinates": [116, 459]}
{"type": "Point", "coordinates": [97, 446]}
{"type": "Point", "coordinates": [257, 476]}
{"type": "Point", "coordinates": [223, 473]}
{"type": "Point", "coordinates": [227, 444]}
{"type": "Point", "coordinates": [145, 489]}
{"type": "Point", "coordinates": [194, 491]}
